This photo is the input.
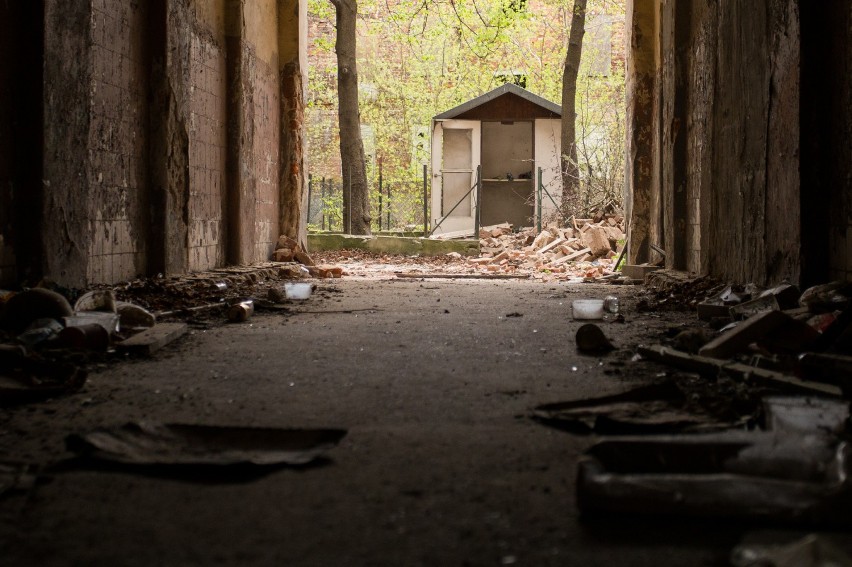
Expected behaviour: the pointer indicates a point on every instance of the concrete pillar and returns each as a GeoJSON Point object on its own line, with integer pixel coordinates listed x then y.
{"type": "Point", "coordinates": [674, 48]}
{"type": "Point", "coordinates": [641, 123]}
{"type": "Point", "coordinates": [67, 115]}
{"type": "Point", "coordinates": [241, 183]}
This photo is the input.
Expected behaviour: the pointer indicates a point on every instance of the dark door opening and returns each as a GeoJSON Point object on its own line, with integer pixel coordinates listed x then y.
{"type": "Point", "coordinates": [21, 138]}
{"type": "Point", "coordinates": [507, 172]}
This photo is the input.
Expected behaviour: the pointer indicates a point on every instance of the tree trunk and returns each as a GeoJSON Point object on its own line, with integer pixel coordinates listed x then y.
{"type": "Point", "coordinates": [570, 167]}
{"type": "Point", "coordinates": [356, 202]}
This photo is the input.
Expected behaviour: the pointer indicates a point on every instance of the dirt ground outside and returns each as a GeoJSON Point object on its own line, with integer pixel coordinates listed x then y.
{"type": "Point", "coordinates": [434, 381]}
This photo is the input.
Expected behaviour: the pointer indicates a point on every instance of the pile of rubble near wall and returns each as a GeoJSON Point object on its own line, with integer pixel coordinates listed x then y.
{"type": "Point", "coordinates": [586, 250]}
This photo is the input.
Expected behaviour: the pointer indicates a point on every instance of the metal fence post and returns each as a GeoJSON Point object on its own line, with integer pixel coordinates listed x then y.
{"type": "Point", "coordinates": [425, 201]}
{"type": "Point", "coordinates": [310, 195]}
{"type": "Point", "coordinates": [380, 195]}
{"type": "Point", "coordinates": [389, 207]}
{"type": "Point", "coordinates": [538, 200]}
{"type": "Point", "coordinates": [322, 201]}
{"type": "Point", "coordinates": [476, 216]}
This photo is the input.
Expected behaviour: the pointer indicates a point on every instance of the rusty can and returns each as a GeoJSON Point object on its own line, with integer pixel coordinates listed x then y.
{"type": "Point", "coordinates": [85, 337]}
{"type": "Point", "coordinates": [240, 312]}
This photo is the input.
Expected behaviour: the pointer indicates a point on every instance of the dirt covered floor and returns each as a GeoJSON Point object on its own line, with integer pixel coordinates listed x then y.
{"type": "Point", "coordinates": [434, 381]}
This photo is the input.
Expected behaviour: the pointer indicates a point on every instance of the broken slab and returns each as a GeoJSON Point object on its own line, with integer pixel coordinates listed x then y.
{"type": "Point", "coordinates": [638, 272]}
{"type": "Point", "coordinates": [151, 340]}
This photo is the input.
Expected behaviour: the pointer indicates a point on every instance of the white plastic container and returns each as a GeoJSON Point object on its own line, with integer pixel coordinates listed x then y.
{"type": "Point", "coordinates": [587, 308]}
{"type": "Point", "coordinates": [297, 290]}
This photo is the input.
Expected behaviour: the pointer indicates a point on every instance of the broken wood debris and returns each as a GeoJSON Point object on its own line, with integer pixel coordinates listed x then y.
{"type": "Point", "coordinates": [711, 366]}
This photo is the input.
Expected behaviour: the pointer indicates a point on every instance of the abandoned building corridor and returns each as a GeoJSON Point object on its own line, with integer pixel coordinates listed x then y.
{"type": "Point", "coordinates": [434, 382]}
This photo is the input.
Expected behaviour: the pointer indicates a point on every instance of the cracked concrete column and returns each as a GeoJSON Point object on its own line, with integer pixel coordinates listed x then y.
{"type": "Point", "coordinates": [67, 117]}
{"type": "Point", "coordinates": [292, 53]}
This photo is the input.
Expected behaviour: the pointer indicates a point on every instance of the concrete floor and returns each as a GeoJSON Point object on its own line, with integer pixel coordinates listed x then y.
{"type": "Point", "coordinates": [441, 465]}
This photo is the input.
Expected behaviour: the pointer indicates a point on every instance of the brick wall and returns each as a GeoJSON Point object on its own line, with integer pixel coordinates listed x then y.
{"type": "Point", "coordinates": [117, 173]}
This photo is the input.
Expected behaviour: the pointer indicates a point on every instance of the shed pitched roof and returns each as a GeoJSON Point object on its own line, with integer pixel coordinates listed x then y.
{"type": "Point", "coordinates": [505, 89]}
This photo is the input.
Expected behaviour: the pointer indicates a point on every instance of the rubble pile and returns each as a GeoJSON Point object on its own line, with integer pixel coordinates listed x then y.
{"type": "Point", "coordinates": [586, 250]}
{"type": "Point", "coordinates": [765, 374]}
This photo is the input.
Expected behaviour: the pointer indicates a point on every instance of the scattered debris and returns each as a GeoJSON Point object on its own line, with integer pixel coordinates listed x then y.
{"type": "Point", "coordinates": [204, 445]}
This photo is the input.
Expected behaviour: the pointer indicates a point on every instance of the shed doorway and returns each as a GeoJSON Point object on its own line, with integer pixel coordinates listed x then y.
{"type": "Point", "coordinates": [507, 173]}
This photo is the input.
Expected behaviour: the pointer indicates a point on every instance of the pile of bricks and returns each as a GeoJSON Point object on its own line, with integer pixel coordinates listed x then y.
{"type": "Point", "coordinates": [588, 249]}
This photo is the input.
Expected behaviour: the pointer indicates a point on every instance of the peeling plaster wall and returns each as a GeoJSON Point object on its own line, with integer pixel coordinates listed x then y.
{"type": "Point", "coordinates": [117, 156]}
{"type": "Point", "coordinates": [206, 135]}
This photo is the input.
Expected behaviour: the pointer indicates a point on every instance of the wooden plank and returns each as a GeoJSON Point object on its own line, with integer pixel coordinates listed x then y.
{"type": "Point", "coordinates": [151, 340]}
{"type": "Point", "coordinates": [570, 257]}
{"type": "Point", "coordinates": [707, 365]}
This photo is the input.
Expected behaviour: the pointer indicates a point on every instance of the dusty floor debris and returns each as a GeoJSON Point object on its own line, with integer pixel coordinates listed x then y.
{"type": "Point", "coordinates": [432, 378]}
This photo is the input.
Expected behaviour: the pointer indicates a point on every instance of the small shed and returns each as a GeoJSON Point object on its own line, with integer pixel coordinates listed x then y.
{"type": "Point", "coordinates": [508, 134]}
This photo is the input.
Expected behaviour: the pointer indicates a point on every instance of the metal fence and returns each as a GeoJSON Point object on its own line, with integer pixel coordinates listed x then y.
{"type": "Point", "coordinates": [395, 205]}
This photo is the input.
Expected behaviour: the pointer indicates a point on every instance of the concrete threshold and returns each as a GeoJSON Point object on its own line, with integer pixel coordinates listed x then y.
{"type": "Point", "coordinates": [392, 244]}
